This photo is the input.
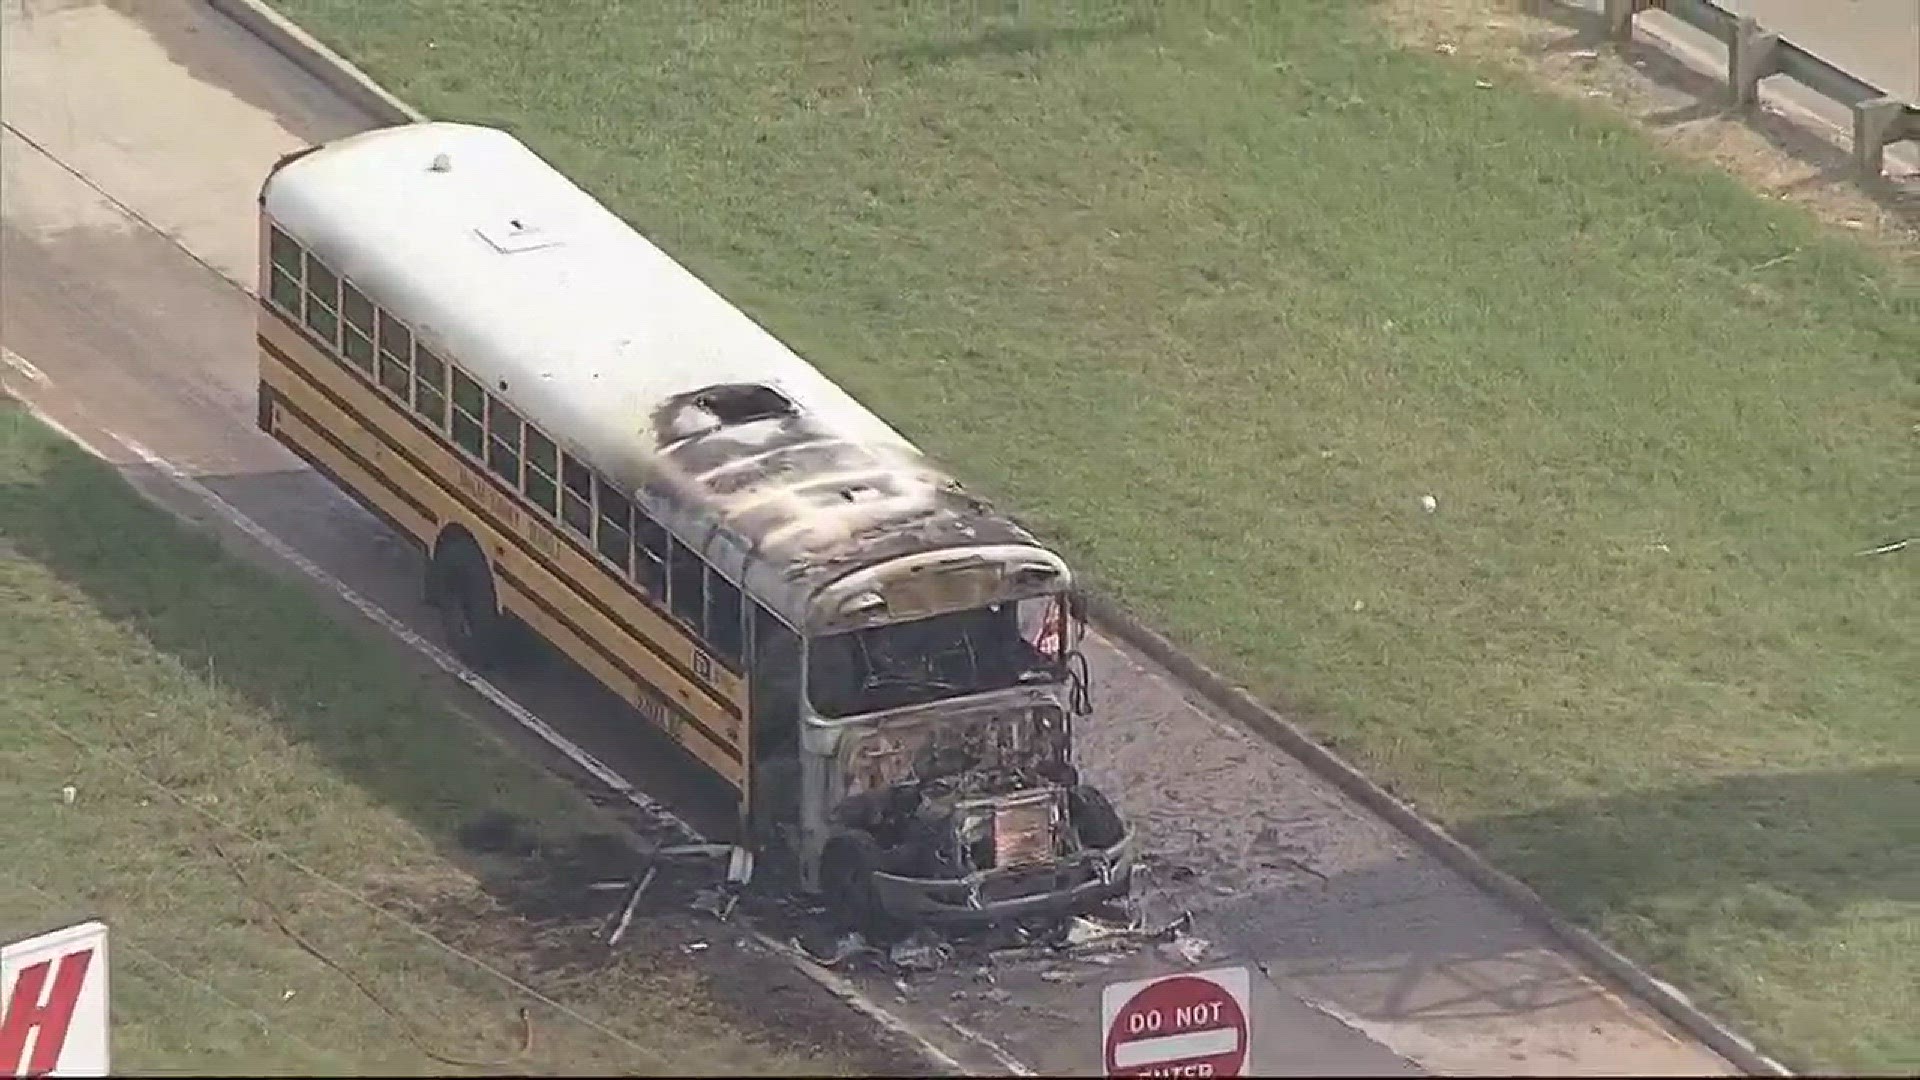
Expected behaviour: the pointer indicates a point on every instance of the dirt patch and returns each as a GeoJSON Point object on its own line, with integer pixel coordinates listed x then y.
{"type": "Point", "coordinates": [1564, 49]}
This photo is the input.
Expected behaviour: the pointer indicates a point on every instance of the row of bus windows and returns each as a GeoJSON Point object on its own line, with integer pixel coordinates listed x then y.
{"type": "Point", "coordinates": [382, 348]}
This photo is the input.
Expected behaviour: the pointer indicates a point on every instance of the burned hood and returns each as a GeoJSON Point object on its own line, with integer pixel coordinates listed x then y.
{"type": "Point", "coordinates": [1012, 740]}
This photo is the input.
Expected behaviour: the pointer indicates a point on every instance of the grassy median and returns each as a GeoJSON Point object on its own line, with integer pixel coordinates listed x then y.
{"type": "Point", "coordinates": [274, 814]}
{"type": "Point", "coordinates": [1215, 299]}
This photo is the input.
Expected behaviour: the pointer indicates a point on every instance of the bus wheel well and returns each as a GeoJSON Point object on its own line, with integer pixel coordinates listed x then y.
{"type": "Point", "coordinates": [452, 534]}
{"type": "Point", "coordinates": [460, 585]}
{"type": "Point", "coordinates": [451, 539]}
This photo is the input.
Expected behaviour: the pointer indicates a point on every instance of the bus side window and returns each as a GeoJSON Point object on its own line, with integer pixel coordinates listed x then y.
{"type": "Point", "coordinates": [429, 387]}
{"type": "Point", "coordinates": [323, 302]}
{"type": "Point", "coordinates": [469, 404]}
{"type": "Point", "coordinates": [284, 286]}
{"type": "Point", "coordinates": [649, 555]}
{"type": "Point", "coordinates": [614, 537]}
{"type": "Point", "coordinates": [503, 441]}
{"type": "Point", "coordinates": [576, 495]}
{"type": "Point", "coordinates": [724, 625]}
{"type": "Point", "coordinates": [686, 573]}
{"type": "Point", "coordinates": [396, 367]}
{"type": "Point", "coordinates": [356, 339]}
{"type": "Point", "coordinates": [396, 344]}
{"type": "Point", "coordinates": [543, 465]}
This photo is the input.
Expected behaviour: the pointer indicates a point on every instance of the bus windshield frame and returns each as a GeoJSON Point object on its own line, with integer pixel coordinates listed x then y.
{"type": "Point", "coordinates": [898, 665]}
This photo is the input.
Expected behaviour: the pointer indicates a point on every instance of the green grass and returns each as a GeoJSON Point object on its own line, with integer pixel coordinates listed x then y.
{"type": "Point", "coordinates": [200, 707]}
{"type": "Point", "coordinates": [1213, 299]}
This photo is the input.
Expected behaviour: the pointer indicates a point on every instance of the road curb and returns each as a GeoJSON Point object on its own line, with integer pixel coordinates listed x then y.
{"type": "Point", "coordinates": [341, 76]}
{"type": "Point", "coordinates": [333, 71]}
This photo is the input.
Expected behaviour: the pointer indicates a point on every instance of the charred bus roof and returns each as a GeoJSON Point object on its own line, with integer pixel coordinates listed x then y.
{"type": "Point", "coordinates": [731, 441]}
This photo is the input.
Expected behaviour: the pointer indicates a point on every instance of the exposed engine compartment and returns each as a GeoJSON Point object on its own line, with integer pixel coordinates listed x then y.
{"type": "Point", "coordinates": [949, 797]}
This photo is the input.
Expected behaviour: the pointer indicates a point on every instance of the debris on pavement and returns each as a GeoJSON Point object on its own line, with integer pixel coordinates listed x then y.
{"type": "Point", "coordinates": [739, 867]}
{"type": "Point", "coordinates": [694, 851]}
{"type": "Point", "coordinates": [718, 902]}
{"type": "Point", "coordinates": [921, 950]}
{"type": "Point", "coordinates": [626, 911]}
{"type": "Point", "coordinates": [1186, 947]}
{"type": "Point", "coordinates": [848, 945]}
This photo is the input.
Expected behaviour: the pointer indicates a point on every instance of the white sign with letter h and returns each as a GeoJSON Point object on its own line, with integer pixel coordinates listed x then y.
{"type": "Point", "coordinates": [53, 1003]}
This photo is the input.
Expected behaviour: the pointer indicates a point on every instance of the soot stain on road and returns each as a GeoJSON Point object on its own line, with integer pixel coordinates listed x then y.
{"type": "Point", "coordinates": [548, 907]}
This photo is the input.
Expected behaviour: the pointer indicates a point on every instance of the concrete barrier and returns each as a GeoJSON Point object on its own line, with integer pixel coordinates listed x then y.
{"type": "Point", "coordinates": [1754, 53]}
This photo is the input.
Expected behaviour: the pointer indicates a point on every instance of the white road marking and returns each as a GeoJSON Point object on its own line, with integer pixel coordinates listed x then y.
{"type": "Point", "coordinates": [19, 363]}
{"type": "Point", "coordinates": [1165, 1048]}
{"type": "Point", "coordinates": [839, 986]}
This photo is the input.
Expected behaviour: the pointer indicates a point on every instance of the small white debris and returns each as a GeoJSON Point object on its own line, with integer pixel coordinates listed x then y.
{"type": "Point", "coordinates": [68, 794]}
{"type": "Point", "coordinates": [1883, 549]}
{"type": "Point", "coordinates": [1446, 48]}
{"type": "Point", "coordinates": [1585, 54]}
{"type": "Point", "coordinates": [1483, 84]}
{"type": "Point", "coordinates": [1429, 503]}
{"type": "Point", "coordinates": [697, 946]}
{"type": "Point", "coordinates": [1359, 605]}
{"type": "Point", "coordinates": [286, 995]}
{"type": "Point", "coordinates": [1191, 948]}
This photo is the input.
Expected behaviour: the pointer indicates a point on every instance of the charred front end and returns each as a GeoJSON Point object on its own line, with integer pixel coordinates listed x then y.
{"type": "Point", "coordinates": [974, 814]}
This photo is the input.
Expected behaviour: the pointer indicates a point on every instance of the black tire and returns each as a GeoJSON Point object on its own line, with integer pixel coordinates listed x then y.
{"type": "Point", "coordinates": [846, 879]}
{"type": "Point", "coordinates": [460, 587]}
{"type": "Point", "coordinates": [1095, 820]}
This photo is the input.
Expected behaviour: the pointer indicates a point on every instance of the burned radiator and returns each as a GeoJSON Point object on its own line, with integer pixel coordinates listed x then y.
{"type": "Point", "coordinates": [1024, 827]}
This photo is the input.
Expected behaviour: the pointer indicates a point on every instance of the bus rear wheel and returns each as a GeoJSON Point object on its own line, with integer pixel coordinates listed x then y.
{"type": "Point", "coordinates": [460, 588]}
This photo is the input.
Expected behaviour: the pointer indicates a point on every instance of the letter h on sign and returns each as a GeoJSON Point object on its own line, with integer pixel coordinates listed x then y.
{"type": "Point", "coordinates": [55, 1018]}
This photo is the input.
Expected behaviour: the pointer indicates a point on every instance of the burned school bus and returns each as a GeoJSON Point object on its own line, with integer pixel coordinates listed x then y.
{"type": "Point", "coordinates": [587, 441]}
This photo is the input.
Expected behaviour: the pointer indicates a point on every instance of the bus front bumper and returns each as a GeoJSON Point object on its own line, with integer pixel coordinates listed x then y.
{"type": "Point", "coordinates": [1066, 887]}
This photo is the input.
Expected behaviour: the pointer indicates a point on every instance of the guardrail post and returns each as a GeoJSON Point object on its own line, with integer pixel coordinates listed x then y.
{"type": "Point", "coordinates": [1751, 56]}
{"type": "Point", "coordinates": [1620, 19]}
{"type": "Point", "coordinates": [1873, 124]}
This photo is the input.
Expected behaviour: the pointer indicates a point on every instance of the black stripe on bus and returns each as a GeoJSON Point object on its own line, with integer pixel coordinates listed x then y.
{"type": "Point", "coordinates": [522, 587]}
{"type": "Point", "coordinates": [527, 506]}
{"type": "Point", "coordinates": [533, 595]}
{"type": "Point", "coordinates": [353, 455]}
{"type": "Point", "coordinates": [513, 536]}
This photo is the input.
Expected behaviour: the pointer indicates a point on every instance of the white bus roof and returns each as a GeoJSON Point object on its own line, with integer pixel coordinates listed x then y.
{"type": "Point", "coordinates": [627, 359]}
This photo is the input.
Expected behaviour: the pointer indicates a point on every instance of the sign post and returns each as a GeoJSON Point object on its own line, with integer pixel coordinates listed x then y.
{"type": "Point", "coordinates": [1187, 1024]}
{"type": "Point", "coordinates": [53, 1003]}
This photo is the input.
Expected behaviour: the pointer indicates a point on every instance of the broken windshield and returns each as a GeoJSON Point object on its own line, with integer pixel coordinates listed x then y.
{"type": "Point", "coordinates": [911, 663]}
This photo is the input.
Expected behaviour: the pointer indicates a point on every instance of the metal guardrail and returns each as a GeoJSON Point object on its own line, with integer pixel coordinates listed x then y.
{"type": "Point", "coordinates": [1753, 53]}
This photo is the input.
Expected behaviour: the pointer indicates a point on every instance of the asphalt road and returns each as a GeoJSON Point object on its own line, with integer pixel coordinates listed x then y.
{"type": "Point", "coordinates": [136, 137]}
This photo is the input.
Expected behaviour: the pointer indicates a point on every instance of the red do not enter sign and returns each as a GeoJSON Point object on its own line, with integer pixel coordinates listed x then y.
{"type": "Point", "coordinates": [1188, 1024]}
